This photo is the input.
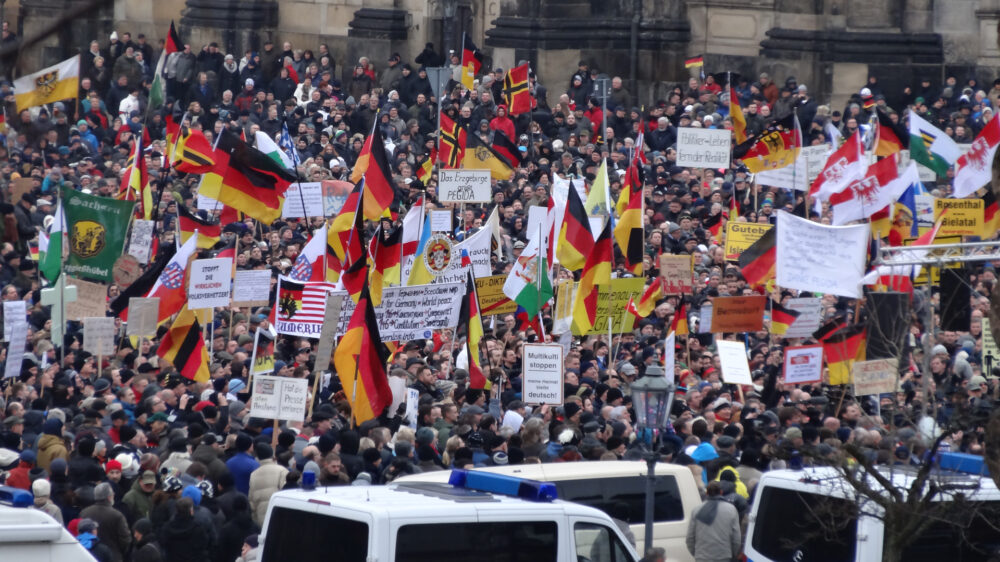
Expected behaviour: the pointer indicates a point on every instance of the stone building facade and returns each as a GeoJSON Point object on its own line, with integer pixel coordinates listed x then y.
{"type": "Point", "coordinates": [830, 45]}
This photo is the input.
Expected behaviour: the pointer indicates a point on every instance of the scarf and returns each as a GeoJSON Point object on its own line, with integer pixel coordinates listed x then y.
{"type": "Point", "coordinates": [706, 514]}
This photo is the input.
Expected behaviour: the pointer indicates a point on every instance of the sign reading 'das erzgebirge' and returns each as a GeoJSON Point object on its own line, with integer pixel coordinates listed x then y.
{"type": "Point", "coordinates": [464, 186]}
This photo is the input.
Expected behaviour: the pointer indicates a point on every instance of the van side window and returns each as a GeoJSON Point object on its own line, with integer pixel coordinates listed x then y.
{"type": "Point", "coordinates": [616, 495]}
{"type": "Point", "coordinates": [523, 541]}
{"type": "Point", "coordinates": [313, 536]}
{"type": "Point", "coordinates": [793, 525]}
{"type": "Point", "coordinates": [597, 543]}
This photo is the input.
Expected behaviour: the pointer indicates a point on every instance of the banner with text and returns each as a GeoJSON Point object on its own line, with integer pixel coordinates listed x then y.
{"type": "Point", "coordinates": [542, 380]}
{"type": "Point", "coordinates": [742, 235]}
{"type": "Point", "coordinates": [816, 257]}
{"type": "Point", "coordinates": [411, 313]}
{"type": "Point", "coordinates": [738, 314]}
{"type": "Point", "coordinates": [703, 148]}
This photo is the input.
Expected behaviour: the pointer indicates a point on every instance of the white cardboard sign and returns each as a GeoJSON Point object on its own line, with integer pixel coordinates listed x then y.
{"type": "Point", "coordinates": [251, 287]}
{"type": "Point", "coordinates": [210, 283]}
{"type": "Point", "coordinates": [279, 398]}
{"type": "Point", "coordinates": [733, 357]}
{"type": "Point", "coordinates": [141, 243]}
{"type": "Point", "coordinates": [99, 335]}
{"type": "Point", "coordinates": [703, 148]}
{"type": "Point", "coordinates": [810, 311]}
{"type": "Point", "coordinates": [542, 381]}
{"type": "Point", "coordinates": [803, 364]}
{"type": "Point", "coordinates": [820, 258]}
{"type": "Point", "coordinates": [312, 194]}
{"type": "Point", "coordinates": [464, 186]}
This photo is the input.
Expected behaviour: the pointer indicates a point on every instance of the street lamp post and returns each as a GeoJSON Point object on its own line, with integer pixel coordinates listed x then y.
{"type": "Point", "coordinates": [652, 398]}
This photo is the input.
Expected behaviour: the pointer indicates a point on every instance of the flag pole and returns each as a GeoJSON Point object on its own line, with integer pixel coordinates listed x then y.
{"type": "Point", "coordinates": [538, 280]}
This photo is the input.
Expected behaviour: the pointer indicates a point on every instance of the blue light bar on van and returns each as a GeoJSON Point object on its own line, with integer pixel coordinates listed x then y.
{"type": "Point", "coordinates": [963, 462]}
{"type": "Point", "coordinates": [16, 497]}
{"type": "Point", "coordinates": [531, 490]}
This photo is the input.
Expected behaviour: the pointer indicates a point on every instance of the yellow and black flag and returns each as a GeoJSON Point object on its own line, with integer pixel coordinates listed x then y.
{"type": "Point", "coordinates": [453, 141]}
{"type": "Point", "coordinates": [480, 156]}
{"type": "Point", "coordinates": [184, 347]}
{"type": "Point", "coordinates": [472, 61]}
{"type": "Point", "coordinates": [628, 231]}
{"type": "Point", "coordinates": [515, 90]}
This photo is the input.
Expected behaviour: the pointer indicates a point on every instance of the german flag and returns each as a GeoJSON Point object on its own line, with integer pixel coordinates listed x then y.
{"type": "Point", "coordinates": [373, 166]}
{"type": "Point", "coordinates": [830, 328]}
{"type": "Point", "coordinates": [890, 137]}
{"type": "Point", "coordinates": [453, 141]}
{"type": "Point", "coordinates": [355, 278]}
{"type": "Point", "coordinates": [472, 61]}
{"type": "Point", "coordinates": [781, 318]}
{"type": "Point", "coordinates": [360, 361]}
{"type": "Point", "coordinates": [649, 298]}
{"type": "Point", "coordinates": [471, 317]}
{"type": "Point", "coordinates": [346, 235]}
{"type": "Point", "coordinates": [842, 350]}
{"type": "Point", "coordinates": [757, 261]}
{"type": "Point", "coordinates": [481, 156]}
{"type": "Point", "coordinates": [193, 153]}
{"type": "Point", "coordinates": [189, 223]}
{"type": "Point", "coordinates": [736, 116]}
{"type": "Point", "coordinates": [426, 168]}
{"type": "Point", "coordinates": [172, 130]}
{"type": "Point", "coordinates": [173, 43]}
{"type": "Point", "coordinates": [734, 207]}
{"type": "Point", "coordinates": [247, 179]}
{"type": "Point", "coordinates": [679, 326]}
{"type": "Point", "coordinates": [506, 148]}
{"type": "Point", "coordinates": [694, 62]}
{"type": "Point", "coordinates": [575, 237]}
{"type": "Point", "coordinates": [184, 347]}
{"type": "Point", "coordinates": [515, 90]}
{"type": "Point", "coordinates": [629, 231]}
{"type": "Point", "coordinates": [229, 215]}
{"type": "Point", "coordinates": [775, 147]}
{"type": "Point", "coordinates": [596, 272]}
{"type": "Point", "coordinates": [385, 251]}
{"type": "Point", "coordinates": [713, 224]}
{"type": "Point", "coordinates": [991, 214]}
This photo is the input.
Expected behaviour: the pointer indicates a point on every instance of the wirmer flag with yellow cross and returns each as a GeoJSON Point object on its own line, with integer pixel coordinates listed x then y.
{"type": "Point", "coordinates": [48, 85]}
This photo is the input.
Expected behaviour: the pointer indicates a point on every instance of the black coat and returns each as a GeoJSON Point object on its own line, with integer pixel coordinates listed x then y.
{"type": "Point", "coordinates": [234, 532]}
{"type": "Point", "coordinates": [184, 540]}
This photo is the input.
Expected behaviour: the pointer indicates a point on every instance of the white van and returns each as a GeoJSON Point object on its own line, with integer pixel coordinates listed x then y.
{"type": "Point", "coordinates": [30, 535]}
{"type": "Point", "coordinates": [605, 484]}
{"type": "Point", "coordinates": [813, 515]}
{"type": "Point", "coordinates": [485, 519]}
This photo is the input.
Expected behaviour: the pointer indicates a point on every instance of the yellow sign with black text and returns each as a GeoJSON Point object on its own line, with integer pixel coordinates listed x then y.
{"type": "Point", "coordinates": [742, 235]}
{"type": "Point", "coordinates": [964, 216]}
{"type": "Point", "coordinates": [492, 301]}
{"type": "Point", "coordinates": [612, 301]}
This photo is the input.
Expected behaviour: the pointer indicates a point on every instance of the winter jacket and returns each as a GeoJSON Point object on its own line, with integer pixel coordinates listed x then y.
{"type": "Point", "coordinates": [241, 465]}
{"type": "Point", "coordinates": [264, 482]}
{"type": "Point", "coordinates": [138, 502]}
{"type": "Point", "coordinates": [184, 540]}
{"type": "Point", "coordinates": [234, 532]}
{"type": "Point", "coordinates": [46, 505]}
{"type": "Point", "coordinates": [147, 550]}
{"type": "Point", "coordinates": [209, 457]}
{"type": "Point", "coordinates": [714, 532]}
{"type": "Point", "coordinates": [111, 528]}
{"type": "Point", "coordinates": [18, 477]}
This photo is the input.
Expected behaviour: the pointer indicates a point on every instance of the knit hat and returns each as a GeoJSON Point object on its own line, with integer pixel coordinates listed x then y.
{"type": "Point", "coordinates": [52, 426]}
{"type": "Point", "coordinates": [112, 465]}
{"type": "Point", "coordinates": [41, 488]}
{"type": "Point", "coordinates": [571, 409]}
{"type": "Point", "coordinates": [192, 492]}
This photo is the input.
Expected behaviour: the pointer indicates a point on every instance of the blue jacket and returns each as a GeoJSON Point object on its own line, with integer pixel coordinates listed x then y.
{"type": "Point", "coordinates": [240, 466]}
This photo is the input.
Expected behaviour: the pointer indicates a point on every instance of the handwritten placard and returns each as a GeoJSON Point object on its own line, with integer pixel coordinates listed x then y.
{"type": "Point", "coordinates": [738, 314]}
{"type": "Point", "coordinates": [542, 365]}
{"type": "Point", "coordinates": [703, 148]}
{"type": "Point", "coordinates": [733, 359]}
{"type": "Point", "coordinates": [820, 258]}
{"type": "Point", "coordinates": [142, 316]}
{"type": "Point", "coordinates": [411, 313]}
{"type": "Point", "coordinates": [440, 220]}
{"type": "Point", "coordinates": [209, 284]}
{"type": "Point", "coordinates": [464, 186]}
{"type": "Point", "coordinates": [141, 243]}
{"type": "Point", "coordinates": [878, 376]}
{"type": "Point", "coordinates": [91, 299]}
{"type": "Point", "coordinates": [677, 274]}
{"type": "Point", "coordinates": [99, 335]}
{"type": "Point", "coordinates": [279, 398]}
{"type": "Point", "coordinates": [251, 287]}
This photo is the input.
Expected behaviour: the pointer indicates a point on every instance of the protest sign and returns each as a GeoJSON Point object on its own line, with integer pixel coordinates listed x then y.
{"type": "Point", "coordinates": [311, 194]}
{"type": "Point", "coordinates": [141, 243]}
{"type": "Point", "coordinates": [491, 298]}
{"type": "Point", "coordinates": [279, 398]}
{"type": "Point", "coordinates": [705, 319]}
{"type": "Point", "coordinates": [262, 358]}
{"type": "Point", "coordinates": [738, 314]}
{"type": "Point", "coordinates": [464, 186]}
{"type": "Point", "coordinates": [331, 319]}
{"type": "Point", "coordinates": [816, 257]}
{"type": "Point", "coordinates": [703, 148]}
{"type": "Point", "coordinates": [410, 313]}
{"type": "Point", "coordinates": [97, 227]}
{"type": "Point", "coordinates": [612, 301]}
{"type": "Point", "coordinates": [878, 376]}
{"type": "Point", "coordinates": [990, 353]}
{"type": "Point", "coordinates": [142, 316]}
{"type": "Point", "coordinates": [412, 406]}
{"type": "Point", "coordinates": [742, 235]}
{"type": "Point", "coordinates": [478, 246]}
{"type": "Point", "coordinates": [803, 364]}
{"type": "Point", "coordinates": [18, 339]}
{"type": "Point", "coordinates": [206, 203]}
{"type": "Point", "coordinates": [562, 316]}
{"type": "Point", "coordinates": [964, 216]}
{"type": "Point", "coordinates": [799, 176]}
{"type": "Point", "coordinates": [542, 368]}
{"type": "Point", "coordinates": [733, 358]}
{"type": "Point", "coordinates": [99, 335]}
{"type": "Point", "coordinates": [440, 220]}
{"type": "Point", "coordinates": [537, 217]}
{"type": "Point", "coordinates": [209, 283]}
{"type": "Point", "coordinates": [669, 356]}
{"type": "Point", "coordinates": [91, 299]}
{"type": "Point", "coordinates": [20, 186]}
{"type": "Point", "coordinates": [301, 306]}
{"type": "Point", "coordinates": [335, 194]}
{"type": "Point", "coordinates": [677, 273]}
{"type": "Point", "coordinates": [561, 186]}
{"type": "Point", "coordinates": [810, 311]}
{"type": "Point", "coordinates": [251, 287]}
{"type": "Point", "coordinates": [14, 313]}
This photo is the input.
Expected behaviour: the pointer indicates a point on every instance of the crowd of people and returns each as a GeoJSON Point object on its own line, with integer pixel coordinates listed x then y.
{"type": "Point", "coordinates": [143, 464]}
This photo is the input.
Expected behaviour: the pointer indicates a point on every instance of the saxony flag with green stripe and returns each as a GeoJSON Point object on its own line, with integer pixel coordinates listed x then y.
{"type": "Point", "coordinates": [931, 147]}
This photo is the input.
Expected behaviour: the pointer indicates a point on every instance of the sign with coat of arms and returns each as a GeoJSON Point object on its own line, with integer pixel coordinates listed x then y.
{"type": "Point", "coordinates": [97, 227]}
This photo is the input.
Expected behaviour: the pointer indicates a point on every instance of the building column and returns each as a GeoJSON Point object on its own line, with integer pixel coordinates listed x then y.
{"type": "Point", "coordinates": [988, 16]}
{"type": "Point", "coordinates": [239, 22]}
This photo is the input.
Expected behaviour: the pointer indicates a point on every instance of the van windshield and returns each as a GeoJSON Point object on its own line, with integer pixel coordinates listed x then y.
{"type": "Point", "coordinates": [522, 541]}
{"type": "Point", "coordinates": [792, 526]}
{"type": "Point", "coordinates": [976, 538]}
{"type": "Point", "coordinates": [626, 495]}
{"type": "Point", "coordinates": [309, 537]}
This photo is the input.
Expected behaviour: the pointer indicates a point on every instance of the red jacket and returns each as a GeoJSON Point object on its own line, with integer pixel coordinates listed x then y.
{"type": "Point", "coordinates": [18, 476]}
{"type": "Point", "coordinates": [503, 123]}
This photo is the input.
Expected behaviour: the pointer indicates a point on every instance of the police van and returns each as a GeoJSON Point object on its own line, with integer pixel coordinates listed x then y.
{"type": "Point", "coordinates": [614, 487]}
{"type": "Point", "coordinates": [814, 515]}
{"type": "Point", "coordinates": [30, 535]}
{"type": "Point", "coordinates": [481, 517]}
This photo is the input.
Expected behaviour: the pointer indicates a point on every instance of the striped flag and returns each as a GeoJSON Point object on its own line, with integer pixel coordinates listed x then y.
{"type": "Point", "coordinates": [300, 306]}
{"type": "Point", "coordinates": [184, 347]}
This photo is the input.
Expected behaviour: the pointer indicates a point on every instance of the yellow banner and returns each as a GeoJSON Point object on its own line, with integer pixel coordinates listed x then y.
{"type": "Point", "coordinates": [491, 298]}
{"type": "Point", "coordinates": [742, 235]}
{"type": "Point", "coordinates": [49, 85]}
{"type": "Point", "coordinates": [964, 217]}
{"type": "Point", "coordinates": [611, 301]}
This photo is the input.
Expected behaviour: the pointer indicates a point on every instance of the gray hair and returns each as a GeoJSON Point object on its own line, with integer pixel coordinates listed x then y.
{"type": "Point", "coordinates": [103, 492]}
